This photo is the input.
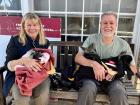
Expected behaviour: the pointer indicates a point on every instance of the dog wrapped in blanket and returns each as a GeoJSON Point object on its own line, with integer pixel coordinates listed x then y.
{"type": "Point", "coordinates": [27, 79]}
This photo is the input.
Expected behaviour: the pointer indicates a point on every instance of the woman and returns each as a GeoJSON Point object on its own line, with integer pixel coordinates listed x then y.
{"type": "Point", "coordinates": [31, 36]}
{"type": "Point", "coordinates": [106, 45]}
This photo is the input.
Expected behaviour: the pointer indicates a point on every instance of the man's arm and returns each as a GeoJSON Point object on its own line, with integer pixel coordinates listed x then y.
{"type": "Point", "coordinates": [98, 69]}
{"type": "Point", "coordinates": [133, 68]}
{"type": "Point", "coordinates": [81, 60]}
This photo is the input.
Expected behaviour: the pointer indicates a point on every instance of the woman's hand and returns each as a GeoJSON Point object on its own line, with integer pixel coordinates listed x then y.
{"type": "Point", "coordinates": [31, 64]}
{"type": "Point", "coordinates": [99, 71]}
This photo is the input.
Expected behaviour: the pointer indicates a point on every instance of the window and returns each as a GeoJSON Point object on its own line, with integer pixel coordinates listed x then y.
{"type": "Point", "coordinates": [74, 25]}
{"type": "Point", "coordinates": [74, 5]}
{"type": "Point", "coordinates": [110, 5]}
{"type": "Point", "coordinates": [126, 23]}
{"type": "Point", "coordinates": [57, 6]}
{"type": "Point", "coordinates": [91, 25]}
{"type": "Point", "coordinates": [10, 7]}
{"type": "Point", "coordinates": [92, 6]}
{"type": "Point", "coordinates": [80, 18]}
{"type": "Point", "coordinates": [128, 6]}
{"type": "Point", "coordinates": [41, 5]}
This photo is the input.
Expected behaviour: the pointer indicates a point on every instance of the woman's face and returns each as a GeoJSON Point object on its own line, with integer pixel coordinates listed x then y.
{"type": "Point", "coordinates": [32, 28]}
{"type": "Point", "coordinates": [108, 25]}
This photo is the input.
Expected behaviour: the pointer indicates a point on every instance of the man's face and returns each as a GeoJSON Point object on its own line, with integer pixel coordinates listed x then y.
{"type": "Point", "coordinates": [108, 25]}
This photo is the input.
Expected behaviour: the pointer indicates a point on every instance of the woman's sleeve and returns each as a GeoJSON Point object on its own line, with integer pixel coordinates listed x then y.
{"type": "Point", "coordinates": [48, 43]}
{"type": "Point", "coordinates": [11, 50]}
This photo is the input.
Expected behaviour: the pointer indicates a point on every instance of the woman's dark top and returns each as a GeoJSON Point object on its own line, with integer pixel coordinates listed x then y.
{"type": "Point", "coordinates": [16, 50]}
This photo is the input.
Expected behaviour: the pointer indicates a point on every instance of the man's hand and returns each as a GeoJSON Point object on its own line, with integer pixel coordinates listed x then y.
{"type": "Point", "coordinates": [109, 70]}
{"type": "Point", "coordinates": [99, 71]}
{"type": "Point", "coordinates": [109, 77]}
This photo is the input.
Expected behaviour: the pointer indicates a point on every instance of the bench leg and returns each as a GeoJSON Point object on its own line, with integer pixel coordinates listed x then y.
{"type": "Point", "coordinates": [2, 99]}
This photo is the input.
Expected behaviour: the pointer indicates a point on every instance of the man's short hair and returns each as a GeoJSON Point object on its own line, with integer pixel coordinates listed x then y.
{"type": "Point", "coordinates": [109, 13]}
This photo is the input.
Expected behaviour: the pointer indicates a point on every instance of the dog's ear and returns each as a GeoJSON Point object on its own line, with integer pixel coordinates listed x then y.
{"type": "Point", "coordinates": [32, 53]}
{"type": "Point", "coordinates": [123, 53]}
{"type": "Point", "coordinates": [83, 48]}
{"type": "Point", "coordinates": [126, 59]}
{"type": "Point", "coordinates": [86, 50]}
{"type": "Point", "coordinates": [89, 49]}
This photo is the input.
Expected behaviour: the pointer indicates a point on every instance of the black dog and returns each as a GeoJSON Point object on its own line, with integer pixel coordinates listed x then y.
{"type": "Point", "coordinates": [65, 80]}
{"type": "Point", "coordinates": [122, 63]}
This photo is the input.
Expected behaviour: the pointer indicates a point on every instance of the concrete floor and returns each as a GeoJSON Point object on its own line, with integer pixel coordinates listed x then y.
{"type": "Point", "coordinates": [51, 102]}
{"type": "Point", "coordinates": [61, 102]}
{"type": "Point", "coordinates": [55, 102]}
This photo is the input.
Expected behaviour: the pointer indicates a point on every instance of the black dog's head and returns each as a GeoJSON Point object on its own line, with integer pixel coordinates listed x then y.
{"type": "Point", "coordinates": [89, 49]}
{"type": "Point", "coordinates": [90, 53]}
{"type": "Point", "coordinates": [125, 59]}
{"type": "Point", "coordinates": [93, 56]}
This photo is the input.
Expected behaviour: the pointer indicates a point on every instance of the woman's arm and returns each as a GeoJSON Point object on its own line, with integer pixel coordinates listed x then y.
{"type": "Point", "coordinates": [30, 63]}
{"type": "Point", "coordinates": [11, 64]}
{"type": "Point", "coordinates": [11, 50]}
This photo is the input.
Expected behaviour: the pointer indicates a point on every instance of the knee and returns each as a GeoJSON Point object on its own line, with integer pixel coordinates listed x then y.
{"type": "Point", "coordinates": [89, 87]}
{"type": "Point", "coordinates": [118, 91]}
{"type": "Point", "coordinates": [119, 96]}
{"type": "Point", "coordinates": [21, 100]}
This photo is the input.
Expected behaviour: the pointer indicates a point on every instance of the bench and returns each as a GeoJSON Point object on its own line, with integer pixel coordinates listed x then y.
{"type": "Point", "coordinates": [65, 53]}
{"type": "Point", "coordinates": [2, 98]}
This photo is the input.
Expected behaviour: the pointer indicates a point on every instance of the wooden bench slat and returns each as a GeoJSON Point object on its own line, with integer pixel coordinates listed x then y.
{"type": "Point", "coordinates": [132, 98]}
{"type": "Point", "coordinates": [133, 95]}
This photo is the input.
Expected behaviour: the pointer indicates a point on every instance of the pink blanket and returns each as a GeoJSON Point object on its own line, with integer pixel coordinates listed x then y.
{"type": "Point", "coordinates": [27, 80]}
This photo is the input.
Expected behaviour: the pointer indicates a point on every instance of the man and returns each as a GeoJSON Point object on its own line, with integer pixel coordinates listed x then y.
{"type": "Point", "coordinates": [106, 45]}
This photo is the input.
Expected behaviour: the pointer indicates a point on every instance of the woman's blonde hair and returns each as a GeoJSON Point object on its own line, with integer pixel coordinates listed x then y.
{"type": "Point", "coordinates": [22, 34]}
